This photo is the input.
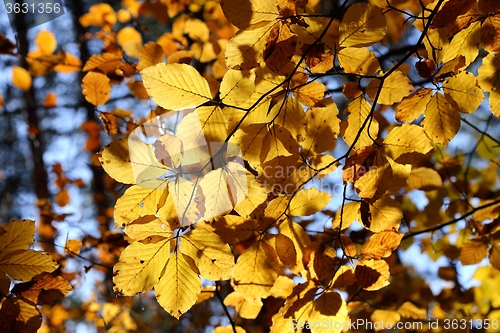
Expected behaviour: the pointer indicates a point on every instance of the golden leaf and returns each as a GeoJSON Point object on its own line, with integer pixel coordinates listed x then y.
{"type": "Point", "coordinates": [237, 86]}
{"type": "Point", "coordinates": [359, 110]}
{"type": "Point", "coordinates": [473, 252]}
{"type": "Point", "coordinates": [148, 229]}
{"type": "Point", "coordinates": [16, 236]}
{"type": "Point", "coordinates": [130, 40]}
{"type": "Point", "coordinates": [46, 42]}
{"type": "Point", "coordinates": [96, 88]}
{"type": "Point", "coordinates": [362, 25]}
{"type": "Point", "coordinates": [381, 245]}
{"type": "Point", "coordinates": [385, 318]}
{"type": "Point", "coordinates": [308, 201]}
{"type": "Point", "coordinates": [176, 86]}
{"type": "Point", "coordinates": [140, 266]}
{"type": "Point", "coordinates": [24, 265]}
{"type": "Point", "coordinates": [495, 255]}
{"type": "Point", "coordinates": [178, 290]}
{"type": "Point", "coordinates": [358, 61]}
{"type": "Point", "coordinates": [210, 253]}
{"type": "Point", "coordinates": [21, 78]}
{"type": "Point", "coordinates": [47, 290]}
{"type": "Point", "coordinates": [106, 62]}
{"type": "Point", "coordinates": [406, 139]}
{"type": "Point", "coordinates": [424, 179]}
{"type": "Point", "coordinates": [442, 120]}
{"type": "Point", "coordinates": [464, 90]}
{"type": "Point", "coordinates": [246, 49]}
{"type": "Point", "coordinates": [409, 310]}
{"type": "Point", "coordinates": [346, 215]}
{"type": "Point", "coordinates": [285, 249]}
{"type": "Point", "coordinates": [323, 127]}
{"type": "Point", "coordinates": [50, 100]}
{"type": "Point", "coordinates": [132, 162]}
{"type": "Point", "coordinates": [243, 307]}
{"type": "Point", "coordinates": [344, 277]}
{"type": "Point", "coordinates": [330, 307]}
{"type": "Point", "coordinates": [464, 43]}
{"type": "Point", "coordinates": [413, 106]}
{"type": "Point", "coordinates": [73, 246]}
{"type": "Point", "coordinates": [386, 214]}
{"type": "Point", "coordinates": [137, 201]}
{"type": "Point", "coordinates": [290, 114]}
{"type": "Point", "coordinates": [151, 54]}
{"type": "Point", "coordinates": [395, 87]}
{"type": "Point", "coordinates": [250, 14]}
{"type": "Point", "coordinates": [372, 274]}
{"type": "Point", "coordinates": [310, 94]}
{"type": "Point", "coordinates": [255, 271]}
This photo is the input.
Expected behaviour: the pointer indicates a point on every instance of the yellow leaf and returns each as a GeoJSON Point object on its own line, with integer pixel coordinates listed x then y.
{"type": "Point", "coordinates": [15, 236]}
{"type": "Point", "coordinates": [137, 201]}
{"type": "Point", "coordinates": [46, 42]}
{"type": "Point", "coordinates": [413, 106]}
{"type": "Point", "coordinates": [372, 274]}
{"type": "Point", "coordinates": [282, 287]}
{"type": "Point", "coordinates": [217, 198]}
{"type": "Point", "coordinates": [140, 266]}
{"type": "Point", "coordinates": [424, 179]}
{"type": "Point", "coordinates": [329, 308]}
{"type": "Point", "coordinates": [47, 290]}
{"type": "Point", "coordinates": [285, 249]}
{"type": "Point", "coordinates": [436, 43]}
{"type": "Point", "coordinates": [384, 318]}
{"type": "Point", "coordinates": [237, 87]}
{"type": "Point", "coordinates": [495, 103]}
{"type": "Point", "coordinates": [180, 287]}
{"type": "Point", "coordinates": [130, 40]}
{"type": "Point", "coordinates": [278, 150]}
{"type": "Point", "coordinates": [246, 49]}
{"type": "Point", "coordinates": [300, 239]}
{"type": "Point", "coordinates": [473, 252]}
{"type": "Point", "coordinates": [381, 245]}
{"type": "Point", "coordinates": [323, 127]}
{"type": "Point", "coordinates": [405, 139]}
{"type": "Point", "coordinates": [308, 201]}
{"type": "Point", "coordinates": [255, 271]}
{"type": "Point", "coordinates": [21, 78]}
{"type": "Point", "coordinates": [181, 190]}
{"type": "Point", "coordinates": [148, 229]}
{"type": "Point", "coordinates": [249, 14]}
{"type": "Point", "coordinates": [362, 25]}
{"type": "Point", "coordinates": [465, 43]}
{"type": "Point", "coordinates": [106, 62]}
{"type": "Point", "coordinates": [386, 214]}
{"type": "Point", "coordinates": [409, 310]}
{"type": "Point", "coordinates": [281, 324]}
{"type": "Point", "coordinates": [73, 246]}
{"type": "Point", "coordinates": [243, 307]}
{"type": "Point", "coordinates": [24, 265]}
{"type": "Point", "coordinates": [358, 61]}
{"type": "Point", "coordinates": [176, 86]}
{"type": "Point", "coordinates": [69, 63]}
{"type": "Point", "coordinates": [488, 73]}
{"type": "Point", "coordinates": [395, 87]}
{"type": "Point", "coordinates": [210, 253]}
{"type": "Point", "coordinates": [132, 162]}
{"type": "Point", "coordinates": [464, 90]}
{"type": "Point", "coordinates": [347, 215]}
{"type": "Point", "coordinates": [442, 120]}
{"type": "Point", "coordinates": [359, 110]}
{"type": "Point", "coordinates": [96, 88]}
{"type": "Point", "coordinates": [310, 94]}
{"type": "Point", "coordinates": [151, 54]}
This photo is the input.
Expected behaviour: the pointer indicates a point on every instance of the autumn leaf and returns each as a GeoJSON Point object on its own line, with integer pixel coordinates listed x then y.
{"type": "Point", "coordinates": [21, 78]}
{"type": "Point", "coordinates": [96, 88]}
{"type": "Point", "coordinates": [176, 86]}
{"type": "Point", "coordinates": [362, 25]}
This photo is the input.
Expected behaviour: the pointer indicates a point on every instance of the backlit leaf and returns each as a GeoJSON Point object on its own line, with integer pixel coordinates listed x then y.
{"type": "Point", "coordinates": [237, 86]}
{"type": "Point", "coordinates": [255, 271]}
{"type": "Point", "coordinates": [464, 90]}
{"type": "Point", "coordinates": [359, 111]}
{"type": "Point", "coordinates": [21, 78]}
{"type": "Point", "coordinates": [96, 88]}
{"type": "Point", "coordinates": [246, 14]}
{"type": "Point", "coordinates": [308, 201]}
{"type": "Point", "coordinates": [473, 252]}
{"type": "Point", "coordinates": [362, 25]}
{"type": "Point", "coordinates": [442, 120]}
{"type": "Point", "coordinates": [24, 265]}
{"type": "Point", "coordinates": [372, 274]}
{"type": "Point", "coordinates": [46, 42]}
{"type": "Point", "coordinates": [381, 245]}
{"type": "Point", "coordinates": [406, 139]}
{"type": "Point", "coordinates": [465, 43]}
{"type": "Point", "coordinates": [395, 87]}
{"type": "Point", "coordinates": [176, 86]}
{"type": "Point", "coordinates": [358, 61]}
{"type": "Point", "coordinates": [178, 290]}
